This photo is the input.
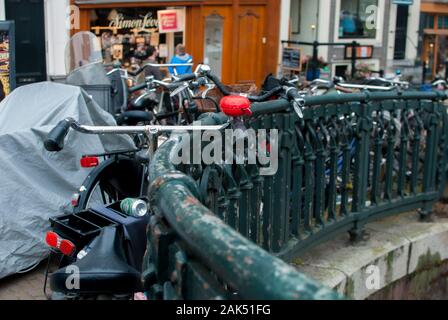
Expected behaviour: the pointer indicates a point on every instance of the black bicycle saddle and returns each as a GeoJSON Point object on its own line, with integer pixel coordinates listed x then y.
{"type": "Point", "coordinates": [104, 270]}
{"type": "Point", "coordinates": [133, 117]}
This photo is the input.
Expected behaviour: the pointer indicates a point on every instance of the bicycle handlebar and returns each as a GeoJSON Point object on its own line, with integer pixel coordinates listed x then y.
{"type": "Point", "coordinates": [259, 108]}
{"type": "Point", "coordinates": [202, 71]}
{"type": "Point", "coordinates": [157, 65]}
{"type": "Point", "coordinates": [170, 86]}
{"type": "Point", "coordinates": [186, 77]}
{"type": "Point", "coordinates": [218, 84]}
{"type": "Point", "coordinates": [365, 86]}
{"type": "Point", "coordinates": [138, 87]}
{"type": "Point", "coordinates": [439, 82]}
{"type": "Point", "coordinates": [226, 92]}
{"type": "Point", "coordinates": [55, 139]}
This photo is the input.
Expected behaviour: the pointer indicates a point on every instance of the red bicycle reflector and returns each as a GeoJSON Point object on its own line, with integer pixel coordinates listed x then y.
{"type": "Point", "coordinates": [75, 199]}
{"type": "Point", "coordinates": [67, 247]}
{"type": "Point", "coordinates": [235, 106]}
{"type": "Point", "coordinates": [89, 162]}
{"type": "Point", "coordinates": [52, 239]}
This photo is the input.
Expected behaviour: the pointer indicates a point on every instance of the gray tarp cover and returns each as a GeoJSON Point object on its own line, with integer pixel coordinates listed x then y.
{"type": "Point", "coordinates": [36, 184]}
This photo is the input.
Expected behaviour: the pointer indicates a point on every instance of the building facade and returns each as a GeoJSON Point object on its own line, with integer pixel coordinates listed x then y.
{"type": "Point", "coordinates": [41, 36]}
{"type": "Point", "coordinates": [391, 27]}
{"type": "Point", "coordinates": [238, 38]}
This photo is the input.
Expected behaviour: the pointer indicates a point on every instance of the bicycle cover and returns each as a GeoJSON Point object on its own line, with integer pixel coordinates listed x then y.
{"type": "Point", "coordinates": [37, 184]}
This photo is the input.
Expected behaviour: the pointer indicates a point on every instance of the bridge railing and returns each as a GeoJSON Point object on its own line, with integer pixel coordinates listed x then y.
{"type": "Point", "coordinates": [353, 158]}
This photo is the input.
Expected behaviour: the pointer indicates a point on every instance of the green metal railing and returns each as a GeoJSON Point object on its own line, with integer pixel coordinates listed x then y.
{"type": "Point", "coordinates": [353, 158]}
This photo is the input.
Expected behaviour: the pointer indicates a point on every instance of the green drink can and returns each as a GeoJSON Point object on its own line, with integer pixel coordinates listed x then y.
{"type": "Point", "coordinates": [134, 207]}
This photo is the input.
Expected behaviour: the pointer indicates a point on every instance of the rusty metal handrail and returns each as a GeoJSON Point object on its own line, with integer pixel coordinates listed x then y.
{"type": "Point", "coordinates": [239, 263]}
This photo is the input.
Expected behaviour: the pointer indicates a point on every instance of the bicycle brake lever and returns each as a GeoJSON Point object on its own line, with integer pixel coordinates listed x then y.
{"type": "Point", "coordinates": [179, 89]}
{"type": "Point", "coordinates": [297, 104]}
{"type": "Point", "coordinates": [297, 101]}
{"type": "Point", "coordinates": [205, 92]}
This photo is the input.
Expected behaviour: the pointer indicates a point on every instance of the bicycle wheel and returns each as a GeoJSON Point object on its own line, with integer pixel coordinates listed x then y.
{"type": "Point", "coordinates": [102, 193]}
{"type": "Point", "coordinates": [115, 179]}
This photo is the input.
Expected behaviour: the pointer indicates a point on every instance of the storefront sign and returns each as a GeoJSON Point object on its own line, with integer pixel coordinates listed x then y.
{"type": "Point", "coordinates": [166, 21]}
{"type": "Point", "coordinates": [145, 22]}
{"type": "Point", "coordinates": [7, 58]}
{"type": "Point", "coordinates": [170, 20]}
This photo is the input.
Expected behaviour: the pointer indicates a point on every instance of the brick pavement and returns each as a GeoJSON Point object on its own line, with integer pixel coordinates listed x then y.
{"type": "Point", "coordinates": [26, 286]}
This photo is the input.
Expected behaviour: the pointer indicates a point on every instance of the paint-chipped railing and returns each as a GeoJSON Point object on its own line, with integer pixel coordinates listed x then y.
{"type": "Point", "coordinates": [351, 159]}
{"type": "Point", "coordinates": [193, 254]}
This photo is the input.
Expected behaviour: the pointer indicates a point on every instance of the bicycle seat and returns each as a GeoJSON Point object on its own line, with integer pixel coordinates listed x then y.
{"type": "Point", "coordinates": [103, 270]}
{"type": "Point", "coordinates": [375, 82]}
{"type": "Point", "coordinates": [145, 102]}
{"type": "Point", "coordinates": [134, 117]}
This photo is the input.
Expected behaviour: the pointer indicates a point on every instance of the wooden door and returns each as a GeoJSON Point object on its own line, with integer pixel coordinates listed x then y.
{"type": "Point", "coordinates": [429, 54]}
{"type": "Point", "coordinates": [249, 60]}
{"type": "Point", "coordinates": [250, 45]}
{"type": "Point", "coordinates": [217, 40]}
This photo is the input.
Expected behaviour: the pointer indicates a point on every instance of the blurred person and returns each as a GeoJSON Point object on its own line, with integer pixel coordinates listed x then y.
{"type": "Point", "coordinates": [141, 52]}
{"type": "Point", "coordinates": [153, 71]}
{"type": "Point", "coordinates": [181, 57]}
{"type": "Point", "coordinates": [441, 71]}
{"type": "Point", "coordinates": [348, 23]}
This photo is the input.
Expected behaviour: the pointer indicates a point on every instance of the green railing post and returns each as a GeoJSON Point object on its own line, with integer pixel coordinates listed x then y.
{"type": "Point", "coordinates": [364, 127]}
{"type": "Point", "coordinates": [431, 125]}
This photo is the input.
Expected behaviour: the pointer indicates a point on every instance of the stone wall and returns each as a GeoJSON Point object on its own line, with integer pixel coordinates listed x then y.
{"type": "Point", "coordinates": [409, 259]}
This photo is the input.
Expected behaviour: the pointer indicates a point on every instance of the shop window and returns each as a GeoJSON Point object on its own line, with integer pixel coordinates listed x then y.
{"type": "Point", "coordinates": [442, 22]}
{"type": "Point", "coordinates": [214, 26]}
{"type": "Point", "coordinates": [426, 21]}
{"type": "Point", "coordinates": [357, 20]}
{"type": "Point", "coordinates": [295, 12]}
{"type": "Point", "coordinates": [125, 35]}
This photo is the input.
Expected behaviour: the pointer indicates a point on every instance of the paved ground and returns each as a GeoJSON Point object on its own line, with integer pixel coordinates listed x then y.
{"type": "Point", "coordinates": [27, 286]}
{"type": "Point", "coordinates": [406, 259]}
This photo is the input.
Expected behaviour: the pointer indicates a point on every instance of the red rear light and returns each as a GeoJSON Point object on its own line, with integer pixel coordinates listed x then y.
{"type": "Point", "coordinates": [52, 239]}
{"type": "Point", "coordinates": [88, 162]}
{"type": "Point", "coordinates": [235, 106]}
{"type": "Point", "coordinates": [67, 247]}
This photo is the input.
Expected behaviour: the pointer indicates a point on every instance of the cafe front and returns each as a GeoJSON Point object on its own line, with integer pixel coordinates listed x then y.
{"type": "Point", "coordinates": [239, 39]}
{"type": "Point", "coordinates": [434, 26]}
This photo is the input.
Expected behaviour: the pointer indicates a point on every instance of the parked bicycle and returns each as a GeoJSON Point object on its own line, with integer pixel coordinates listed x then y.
{"type": "Point", "coordinates": [108, 181]}
{"type": "Point", "coordinates": [92, 233]}
{"type": "Point", "coordinates": [104, 243]}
